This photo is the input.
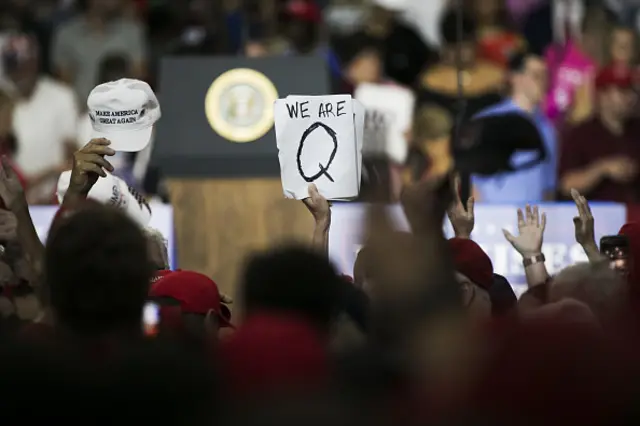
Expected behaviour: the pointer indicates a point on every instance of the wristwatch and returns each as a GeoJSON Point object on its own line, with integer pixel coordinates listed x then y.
{"type": "Point", "coordinates": [532, 260]}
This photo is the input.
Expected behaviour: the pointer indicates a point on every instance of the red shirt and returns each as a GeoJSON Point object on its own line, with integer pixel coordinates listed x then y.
{"type": "Point", "coordinates": [592, 141]}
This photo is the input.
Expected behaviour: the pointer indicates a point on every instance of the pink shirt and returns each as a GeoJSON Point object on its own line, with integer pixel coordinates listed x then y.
{"type": "Point", "coordinates": [569, 68]}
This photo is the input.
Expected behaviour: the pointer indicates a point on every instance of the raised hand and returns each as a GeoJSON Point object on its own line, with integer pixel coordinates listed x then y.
{"type": "Point", "coordinates": [584, 224]}
{"type": "Point", "coordinates": [462, 219]}
{"type": "Point", "coordinates": [8, 226]}
{"type": "Point", "coordinates": [11, 190]}
{"type": "Point", "coordinates": [584, 227]}
{"type": "Point", "coordinates": [531, 227]}
{"type": "Point", "coordinates": [318, 206]}
{"type": "Point", "coordinates": [89, 164]}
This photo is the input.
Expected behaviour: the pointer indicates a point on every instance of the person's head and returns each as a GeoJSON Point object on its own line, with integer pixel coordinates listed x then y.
{"type": "Point", "coordinates": [194, 299]}
{"type": "Point", "coordinates": [303, 19]}
{"type": "Point", "coordinates": [97, 271]}
{"type": "Point", "coordinates": [431, 125]}
{"type": "Point", "coordinates": [616, 97]}
{"type": "Point", "coordinates": [595, 284]}
{"type": "Point", "coordinates": [490, 12]}
{"type": "Point", "coordinates": [114, 67]}
{"type": "Point", "coordinates": [106, 9]}
{"type": "Point", "coordinates": [292, 280]}
{"type": "Point", "coordinates": [361, 57]}
{"type": "Point", "coordinates": [20, 59]}
{"type": "Point", "coordinates": [466, 44]}
{"type": "Point", "coordinates": [474, 273]}
{"type": "Point", "coordinates": [622, 45]}
{"type": "Point", "coordinates": [157, 246]}
{"type": "Point", "coordinates": [528, 77]}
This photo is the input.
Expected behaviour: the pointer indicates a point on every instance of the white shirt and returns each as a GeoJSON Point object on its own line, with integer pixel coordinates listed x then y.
{"type": "Point", "coordinates": [42, 125]}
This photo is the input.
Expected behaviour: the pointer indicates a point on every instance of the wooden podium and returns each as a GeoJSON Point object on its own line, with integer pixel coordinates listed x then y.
{"type": "Point", "coordinates": [216, 146]}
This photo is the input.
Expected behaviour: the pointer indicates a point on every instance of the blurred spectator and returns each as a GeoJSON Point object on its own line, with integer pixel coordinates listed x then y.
{"type": "Point", "coordinates": [97, 289]}
{"type": "Point", "coordinates": [528, 78]}
{"type": "Point", "coordinates": [271, 283]}
{"type": "Point", "coordinates": [100, 30]}
{"type": "Point", "coordinates": [282, 341]}
{"type": "Point", "coordinates": [42, 149]}
{"type": "Point", "coordinates": [572, 61]}
{"type": "Point", "coordinates": [361, 58]}
{"type": "Point", "coordinates": [190, 304]}
{"type": "Point", "coordinates": [596, 285]}
{"type": "Point", "coordinates": [474, 274]}
{"type": "Point", "coordinates": [430, 144]}
{"type": "Point", "coordinates": [405, 53]}
{"type": "Point", "coordinates": [600, 157]}
{"type": "Point", "coordinates": [8, 144]}
{"type": "Point", "coordinates": [158, 251]}
{"type": "Point", "coordinates": [622, 47]}
{"type": "Point", "coordinates": [302, 19]}
{"type": "Point", "coordinates": [497, 41]}
{"type": "Point", "coordinates": [203, 31]}
{"type": "Point", "coordinates": [482, 82]}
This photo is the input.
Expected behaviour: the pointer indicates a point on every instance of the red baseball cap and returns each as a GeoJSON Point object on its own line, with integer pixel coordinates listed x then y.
{"type": "Point", "coordinates": [304, 10]}
{"type": "Point", "coordinates": [197, 293]}
{"type": "Point", "coordinates": [615, 76]}
{"type": "Point", "coordinates": [470, 260]}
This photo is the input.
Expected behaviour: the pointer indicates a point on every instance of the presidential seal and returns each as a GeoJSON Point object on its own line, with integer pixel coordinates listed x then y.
{"type": "Point", "coordinates": [239, 105]}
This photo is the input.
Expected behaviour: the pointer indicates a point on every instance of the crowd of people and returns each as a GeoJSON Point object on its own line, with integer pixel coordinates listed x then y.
{"type": "Point", "coordinates": [568, 65]}
{"type": "Point", "coordinates": [423, 330]}
{"type": "Point", "coordinates": [95, 326]}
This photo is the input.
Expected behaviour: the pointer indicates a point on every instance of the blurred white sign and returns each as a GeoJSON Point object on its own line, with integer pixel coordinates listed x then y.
{"type": "Point", "coordinates": [319, 141]}
{"type": "Point", "coordinates": [162, 220]}
{"type": "Point", "coordinates": [389, 118]}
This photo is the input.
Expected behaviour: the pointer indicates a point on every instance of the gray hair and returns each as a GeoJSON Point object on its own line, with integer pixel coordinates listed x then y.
{"type": "Point", "coordinates": [158, 240]}
{"type": "Point", "coordinates": [595, 284]}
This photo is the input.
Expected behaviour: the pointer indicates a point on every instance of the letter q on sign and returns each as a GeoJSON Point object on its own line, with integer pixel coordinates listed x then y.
{"type": "Point", "coordinates": [322, 170]}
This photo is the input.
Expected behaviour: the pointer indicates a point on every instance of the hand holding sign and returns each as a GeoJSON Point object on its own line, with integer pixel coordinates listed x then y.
{"type": "Point", "coordinates": [319, 142]}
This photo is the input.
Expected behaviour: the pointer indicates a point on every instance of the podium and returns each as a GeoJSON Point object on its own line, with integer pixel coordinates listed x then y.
{"type": "Point", "coordinates": [216, 146]}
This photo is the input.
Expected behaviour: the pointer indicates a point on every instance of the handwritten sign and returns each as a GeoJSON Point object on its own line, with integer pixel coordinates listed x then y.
{"type": "Point", "coordinates": [319, 141]}
{"type": "Point", "coordinates": [389, 114]}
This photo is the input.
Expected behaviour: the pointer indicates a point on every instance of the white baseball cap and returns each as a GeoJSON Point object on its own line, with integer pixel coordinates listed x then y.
{"type": "Point", "coordinates": [124, 112]}
{"type": "Point", "coordinates": [112, 191]}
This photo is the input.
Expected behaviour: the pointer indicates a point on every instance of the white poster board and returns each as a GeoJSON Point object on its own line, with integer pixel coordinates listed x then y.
{"type": "Point", "coordinates": [389, 118]}
{"type": "Point", "coordinates": [319, 142]}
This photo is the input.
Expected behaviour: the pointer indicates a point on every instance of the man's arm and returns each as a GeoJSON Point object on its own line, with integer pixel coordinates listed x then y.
{"type": "Point", "coordinates": [13, 196]}
{"type": "Point", "coordinates": [584, 180]}
{"type": "Point", "coordinates": [321, 211]}
{"type": "Point", "coordinates": [576, 170]}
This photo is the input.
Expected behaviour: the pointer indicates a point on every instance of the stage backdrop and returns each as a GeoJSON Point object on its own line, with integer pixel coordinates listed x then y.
{"type": "Point", "coordinates": [162, 220]}
{"type": "Point", "coordinates": [560, 247]}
